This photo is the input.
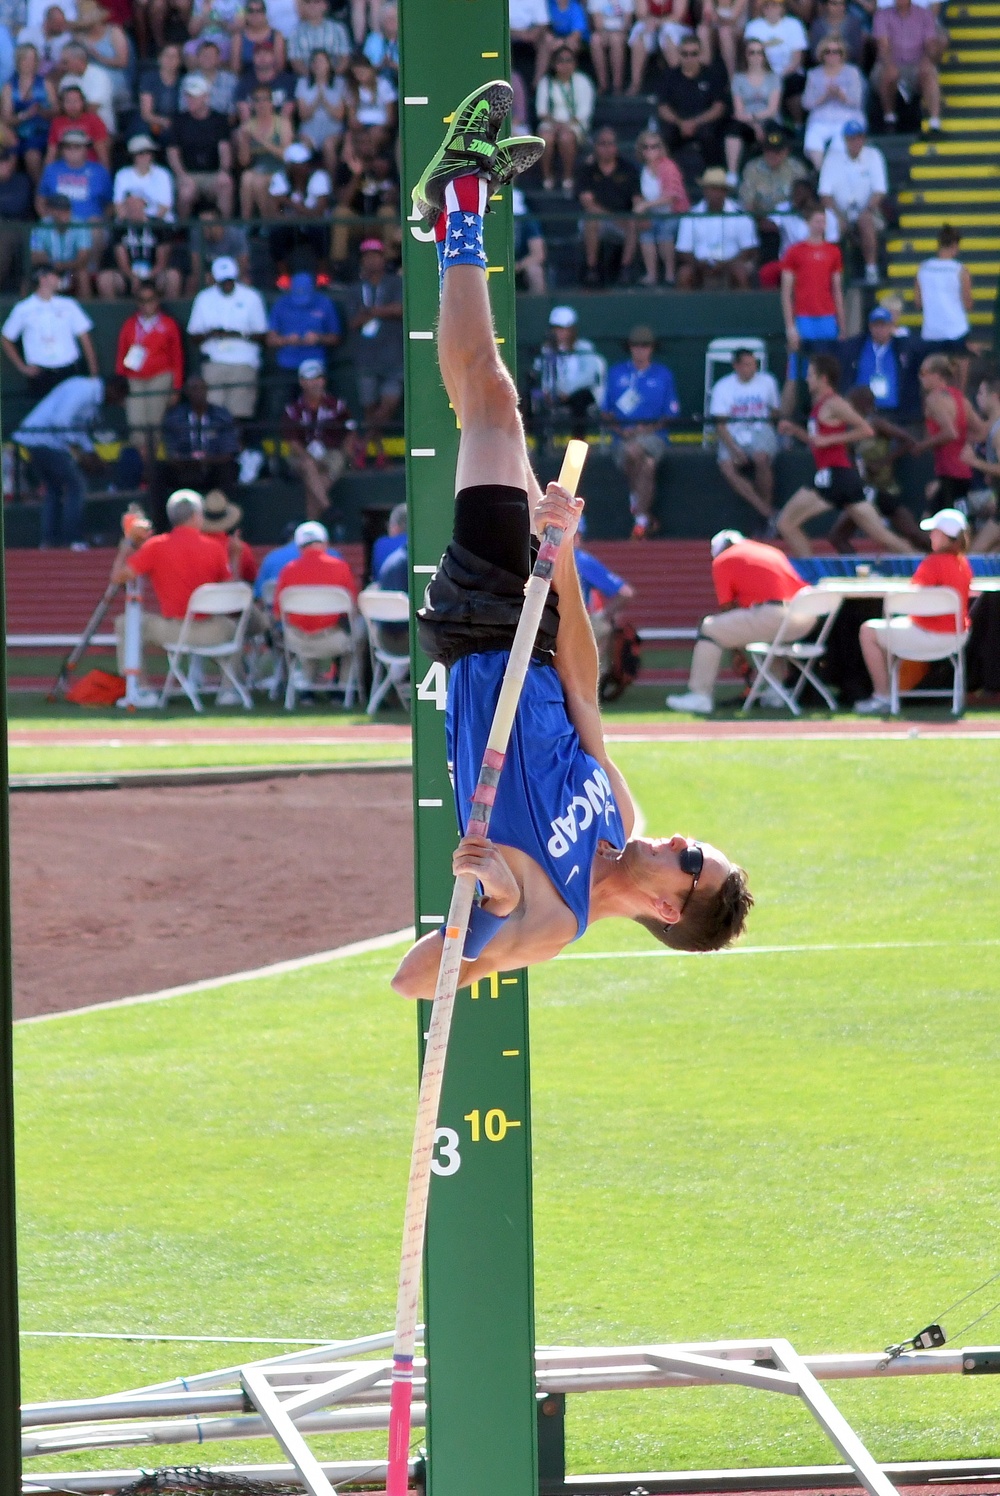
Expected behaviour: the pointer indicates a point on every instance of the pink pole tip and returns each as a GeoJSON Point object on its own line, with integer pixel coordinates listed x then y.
{"type": "Point", "coordinates": [398, 1477]}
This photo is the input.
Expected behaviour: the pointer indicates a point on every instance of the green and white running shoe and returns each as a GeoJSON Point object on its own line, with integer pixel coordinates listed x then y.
{"type": "Point", "coordinates": [469, 146]}
{"type": "Point", "coordinates": [514, 156]}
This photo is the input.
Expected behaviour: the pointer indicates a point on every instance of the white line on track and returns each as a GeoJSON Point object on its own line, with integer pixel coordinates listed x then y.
{"type": "Point", "coordinates": [276, 969]}
{"type": "Point", "coordinates": [185, 1339]}
{"type": "Point", "coordinates": [907, 735]}
{"type": "Point", "coordinates": [777, 950]}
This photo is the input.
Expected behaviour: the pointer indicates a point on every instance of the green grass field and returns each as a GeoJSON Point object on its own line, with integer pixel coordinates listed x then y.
{"type": "Point", "coordinates": [796, 1142]}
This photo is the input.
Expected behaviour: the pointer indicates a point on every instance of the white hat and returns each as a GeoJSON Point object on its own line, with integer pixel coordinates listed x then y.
{"type": "Point", "coordinates": [723, 540]}
{"type": "Point", "coordinates": [562, 316]}
{"type": "Point", "coordinates": [140, 143]}
{"type": "Point", "coordinates": [312, 368]}
{"type": "Point", "coordinates": [952, 522]}
{"type": "Point", "coordinates": [311, 532]}
{"type": "Point", "coordinates": [297, 154]}
{"type": "Point", "coordinates": [195, 85]}
{"type": "Point", "coordinates": [225, 269]}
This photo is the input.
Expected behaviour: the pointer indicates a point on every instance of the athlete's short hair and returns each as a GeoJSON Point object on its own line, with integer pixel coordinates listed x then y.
{"type": "Point", "coordinates": [711, 920]}
{"type": "Point", "coordinates": [827, 366]}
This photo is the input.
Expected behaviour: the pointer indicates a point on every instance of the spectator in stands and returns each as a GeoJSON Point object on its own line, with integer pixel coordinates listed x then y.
{"type": "Point", "coordinates": [15, 207]}
{"type": "Point", "coordinates": [884, 363]}
{"type": "Point", "coordinates": [564, 104]}
{"type": "Point", "coordinates": [568, 26]}
{"type": "Point", "coordinates": [254, 30]}
{"type": "Point", "coordinates": [753, 583]}
{"type": "Point", "coordinates": [834, 427]}
{"type": "Point", "coordinates": [365, 186]}
{"type": "Point", "coordinates": [200, 442]}
{"type": "Point", "coordinates": [529, 21]}
{"type": "Point", "coordinates": [663, 197]}
{"type": "Point", "coordinates": [315, 427]}
{"type": "Point", "coordinates": [229, 323]}
{"type": "Point", "coordinates": [375, 317]}
{"type": "Point", "coordinates": [392, 542]}
{"type": "Point", "coordinates": [604, 596]}
{"type": "Point", "coordinates": [608, 184]}
{"type": "Point", "coordinates": [571, 373]}
{"type": "Point", "coordinates": [261, 142]}
{"type": "Point", "coordinates": [791, 220]}
{"type": "Point", "coordinates": [727, 19]}
{"type": "Point", "coordinates": [640, 401]}
{"type": "Point", "coordinates": [694, 102]}
{"type": "Point", "coordinates": [53, 331]}
{"type": "Point", "coordinates": [199, 153]}
{"type": "Point", "coordinates": [316, 32]}
{"type": "Point", "coordinates": [225, 241]}
{"type": "Point", "coordinates": [786, 44]}
{"type": "Point", "coordinates": [175, 564]}
{"type": "Point", "coordinates": [315, 567]}
{"type": "Point", "coordinates": [756, 93]}
{"type": "Point", "coordinates": [942, 291]}
{"type": "Point", "coordinates": [836, 20]}
{"type": "Point", "coordinates": [221, 82]}
{"type": "Point", "coordinates": [221, 520]}
{"type": "Point", "coordinates": [75, 115]}
{"type": "Point", "coordinates": [952, 423]}
{"type": "Point", "coordinates": [908, 51]}
{"type": "Point", "coordinates": [529, 245]}
{"type": "Point", "coordinates": [381, 45]}
{"type": "Point", "coordinates": [214, 20]}
{"type": "Point", "coordinates": [812, 293]}
{"type": "Point", "coordinates": [302, 324]}
{"type": "Point", "coordinates": [371, 106]}
{"type": "Point", "coordinates": [107, 47]}
{"type": "Point", "coordinates": [301, 190]}
{"type": "Point", "coordinates": [610, 25]}
{"type": "Point", "coordinates": [65, 245]}
{"type": "Point", "coordinates": [49, 38]}
{"type": "Point", "coordinates": [768, 186]}
{"type": "Point", "coordinates": [660, 25]}
{"type": "Point", "coordinates": [321, 101]}
{"type": "Point", "coordinates": [86, 183]}
{"type": "Point", "coordinates": [27, 104]}
{"type": "Point", "coordinates": [264, 72]}
{"type": "Point", "coordinates": [94, 80]}
{"type": "Point", "coordinates": [160, 94]}
{"type": "Point", "coordinates": [140, 250]}
{"type": "Point", "coordinates": [716, 242]}
{"type": "Point", "coordinates": [145, 180]}
{"type": "Point", "coordinates": [833, 98]}
{"type": "Point", "coordinates": [854, 183]}
{"type": "Point", "coordinates": [946, 566]}
{"type": "Point", "coordinates": [745, 406]}
{"type": "Point", "coordinates": [151, 357]}
{"type": "Point", "coordinates": [876, 458]}
{"type": "Point", "coordinates": [57, 435]}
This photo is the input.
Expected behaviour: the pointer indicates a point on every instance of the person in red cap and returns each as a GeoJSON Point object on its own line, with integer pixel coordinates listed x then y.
{"type": "Point", "coordinates": [375, 319]}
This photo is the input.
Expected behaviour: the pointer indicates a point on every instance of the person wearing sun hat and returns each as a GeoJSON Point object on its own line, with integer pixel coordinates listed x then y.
{"type": "Point", "coordinates": [143, 178]}
{"type": "Point", "coordinates": [716, 241]}
{"type": "Point", "coordinates": [946, 566]}
{"type": "Point", "coordinates": [375, 318]}
{"type": "Point", "coordinates": [222, 519]}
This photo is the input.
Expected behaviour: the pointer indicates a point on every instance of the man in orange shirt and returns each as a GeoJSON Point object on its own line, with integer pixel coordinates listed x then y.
{"type": "Point", "coordinates": [176, 563]}
{"type": "Point", "coordinates": [318, 639]}
{"type": "Point", "coordinates": [753, 582]}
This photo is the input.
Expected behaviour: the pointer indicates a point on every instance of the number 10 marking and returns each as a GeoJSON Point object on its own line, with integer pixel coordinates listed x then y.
{"type": "Point", "coordinates": [495, 1125]}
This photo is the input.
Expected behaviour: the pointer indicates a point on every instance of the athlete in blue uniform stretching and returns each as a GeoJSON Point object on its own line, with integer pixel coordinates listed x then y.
{"type": "Point", "coordinates": [560, 853]}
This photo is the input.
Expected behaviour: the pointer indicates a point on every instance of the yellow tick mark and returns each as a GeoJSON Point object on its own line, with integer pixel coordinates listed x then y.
{"type": "Point", "coordinates": [509, 1053]}
{"type": "Point", "coordinates": [490, 54]}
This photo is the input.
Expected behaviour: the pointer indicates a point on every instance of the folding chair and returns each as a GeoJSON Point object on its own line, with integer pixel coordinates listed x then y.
{"type": "Point", "coordinates": [390, 672]}
{"type": "Point", "coordinates": [809, 605]}
{"type": "Point", "coordinates": [719, 360]}
{"type": "Point", "coordinates": [213, 600]}
{"type": "Point", "coordinates": [316, 602]}
{"type": "Point", "coordinates": [906, 643]}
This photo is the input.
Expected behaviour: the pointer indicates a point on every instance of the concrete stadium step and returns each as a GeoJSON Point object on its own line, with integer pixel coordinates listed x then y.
{"type": "Point", "coordinates": [967, 58]}
{"type": "Point", "coordinates": [930, 195]}
{"type": "Point", "coordinates": [978, 244]}
{"type": "Point", "coordinates": [979, 125]}
{"type": "Point", "coordinates": [972, 149]}
{"type": "Point", "coordinates": [970, 78]}
{"type": "Point", "coordinates": [962, 34]}
{"type": "Point", "coordinates": [960, 220]}
{"type": "Point", "coordinates": [960, 106]}
{"type": "Point", "coordinates": [975, 12]}
{"type": "Point", "coordinates": [955, 173]}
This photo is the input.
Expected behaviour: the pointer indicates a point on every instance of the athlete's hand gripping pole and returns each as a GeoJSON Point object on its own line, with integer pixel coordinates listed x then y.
{"type": "Point", "coordinates": [432, 1076]}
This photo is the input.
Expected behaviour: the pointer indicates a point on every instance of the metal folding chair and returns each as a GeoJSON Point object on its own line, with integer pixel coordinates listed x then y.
{"type": "Point", "coordinates": [211, 600]}
{"type": "Point", "coordinates": [390, 672]}
{"type": "Point", "coordinates": [905, 643]}
{"type": "Point", "coordinates": [318, 601]}
{"type": "Point", "coordinates": [809, 605]}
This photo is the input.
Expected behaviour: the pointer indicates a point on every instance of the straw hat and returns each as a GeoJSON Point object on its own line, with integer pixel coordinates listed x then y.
{"type": "Point", "coordinates": [89, 13]}
{"type": "Point", "coordinates": [220, 516]}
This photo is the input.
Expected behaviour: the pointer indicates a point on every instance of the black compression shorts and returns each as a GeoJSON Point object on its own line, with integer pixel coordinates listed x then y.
{"type": "Point", "coordinates": [839, 486]}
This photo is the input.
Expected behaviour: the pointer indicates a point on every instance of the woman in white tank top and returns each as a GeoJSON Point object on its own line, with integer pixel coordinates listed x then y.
{"type": "Point", "coordinates": [943, 292]}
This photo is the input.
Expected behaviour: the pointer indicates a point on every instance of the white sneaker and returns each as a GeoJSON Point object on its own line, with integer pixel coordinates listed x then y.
{"type": "Point", "coordinates": [691, 701]}
{"type": "Point", "coordinates": [871, 275]}
{"type": "Point", "coordinates": [228, 696]}
{"type": "Point", "coordinates": [873, 706]}
{"type": "Point", "coordinates": [769, 697]}
{"type": "Point", "coordinates": [143, 699]}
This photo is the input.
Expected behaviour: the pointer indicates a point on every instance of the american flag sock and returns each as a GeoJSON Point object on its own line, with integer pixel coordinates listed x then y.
{"type": "Point", "coordinates": [459, 230]}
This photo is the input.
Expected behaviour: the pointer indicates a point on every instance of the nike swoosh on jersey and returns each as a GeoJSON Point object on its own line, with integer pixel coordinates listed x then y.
{"type": "Point", "coordinates": [576, 869]}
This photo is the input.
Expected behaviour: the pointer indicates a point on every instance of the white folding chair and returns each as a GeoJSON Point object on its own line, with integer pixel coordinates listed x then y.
{"type": "Point", "coordinates": [906, 643]}
{"type": "Point", "coordinates": [211, 600]}
{"type": "Point", "coordinates": [318, 601]}
{"type": "Point", "coordinates": [719, 361]}
{"type": "Point", "coordinates": [807, 606]}
{"type": "Point", "coordinates": [390, 672]}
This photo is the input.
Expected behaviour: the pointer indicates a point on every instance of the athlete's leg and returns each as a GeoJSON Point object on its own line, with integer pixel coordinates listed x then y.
{"type": "Point", "coordinates": [801, 507]}
{"type": "Point", "coordinates": [868, 519]}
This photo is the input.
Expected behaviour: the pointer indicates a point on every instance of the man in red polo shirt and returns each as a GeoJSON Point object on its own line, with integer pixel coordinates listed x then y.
{"type": "Point", "coordinates": [318, 639]}
{"type": "Point", "coordinates": [753, 582]}
{"type": "Point", "coordinates": [176, 564]}
{"type": "Point", "coordinates": [151, 357]}
{"type": "Point", "coordinates": [812, 299]}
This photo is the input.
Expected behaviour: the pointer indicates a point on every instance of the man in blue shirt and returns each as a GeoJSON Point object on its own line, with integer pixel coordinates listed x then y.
{"type": "Point", "coordinates": [639, 401]}
{"type": "Point", "coordinates": [86, 183]}
{"type": "Point", "coordinates": [392, 541]}
{"type": "Point", "coordinates": [603, 610]}
{"type": "Point", "coordinates": [57, 433]}
{"type": "Point", "coordinates": [883, 359]}
{"type": "Point", "coordinates": [303, 324]}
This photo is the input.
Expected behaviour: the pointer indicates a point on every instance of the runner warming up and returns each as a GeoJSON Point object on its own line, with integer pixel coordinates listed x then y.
{"type": "Point", "coordinates": [561, 854]}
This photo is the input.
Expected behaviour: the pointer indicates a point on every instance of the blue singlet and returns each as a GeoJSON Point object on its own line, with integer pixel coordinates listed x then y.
{"type": "Point", "coordinates": [554, 801]}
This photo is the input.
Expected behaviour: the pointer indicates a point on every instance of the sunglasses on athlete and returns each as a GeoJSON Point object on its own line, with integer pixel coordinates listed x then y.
{"type": "Point", "coordinates": [692, 862]}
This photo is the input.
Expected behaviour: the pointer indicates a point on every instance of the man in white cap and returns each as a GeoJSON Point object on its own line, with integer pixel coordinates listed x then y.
{"type": "Point", "coordinates": [753, 582]}
{"type": "Point", "coordinates": [199, 152]}
{"type": "Point", "coordinates": [946, 566]}
{"type": "Point", "coordinates": [318, 639]}
{"type": "Point", "coordinates": [315, 426]}
{"type": "Point", "coordinates": [572, 374]}
{"type": "Point", "coordinates": [229, 322]}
